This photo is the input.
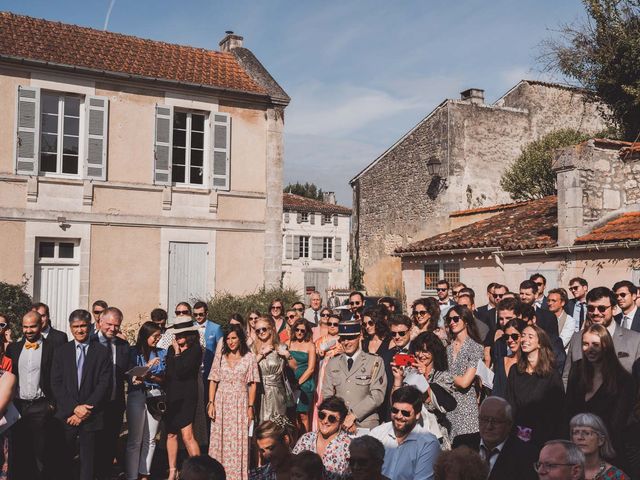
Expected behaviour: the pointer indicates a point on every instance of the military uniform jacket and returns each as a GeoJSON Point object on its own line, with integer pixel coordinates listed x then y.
{"type": "Point", "coordinates": [362, 388]}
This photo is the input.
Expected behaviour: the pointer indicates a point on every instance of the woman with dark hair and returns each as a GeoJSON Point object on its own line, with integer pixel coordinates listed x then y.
{"type": "Point", "coordinates": [330, 441]}
{"type": "Point", "coordinates": [506, 352]}
{"type": "Point", "coordinates": [232, 396]}
{"type": "Point", "coordinates": [252, 318]}
{"type": "Point", "coordinates": [142, 423]}
{"type": "Point", "coordinates": [599, 384]}
{"type": "Point", "coordinates": [463, 354]}
{"type": "Point", "coordinates": [303, 350]}
{"type": "Point", "coordinates": [276, 313]}
{"type": "Point", "coordinates": [184, 358]}
{"type": "Point", "coordinates": [535, 390]}
{"type": "Point", "coordinates": [376, 337]}
{"type": "Point", "coordinates": [425, 313]}
{"type": "Point", "coordinates": [5, 335]}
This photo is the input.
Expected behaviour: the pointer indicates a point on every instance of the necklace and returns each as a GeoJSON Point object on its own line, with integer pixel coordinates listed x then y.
{"type": "Point", "coordinates": [603, 466]}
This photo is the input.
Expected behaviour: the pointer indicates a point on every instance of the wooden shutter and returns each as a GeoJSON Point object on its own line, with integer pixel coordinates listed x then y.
{"type": "Point", "coordinates": [163, 145]}
{"type": "Point", "coordinates": [299, 217]}
{"type": "Point", "coordinates": [337, 249]}
{"type": "Point", "coordinates": [286, 217]}
{"type": "Point", "coordinates": [288, 247]}
{"type": "Point", "coordinates": [335, 220]}
{"type": "Point", "coordinates": [296, 247]}
{"type": "Point", "coordinates": [28, 131]}
{"type": "Point", "coordinates": [221, 150]}
{"type": "Point", "coordinates": [97, 125]}
{"type": "Point", "coordinates": [322, 222]}
{"type": "Point", "coordinates": [312, 218]}
{"type": "Point", "coordinates": [316, 248]}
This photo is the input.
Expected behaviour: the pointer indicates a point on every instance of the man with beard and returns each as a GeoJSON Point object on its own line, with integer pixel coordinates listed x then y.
{"type": "Point", "coordinates": [409, 453]}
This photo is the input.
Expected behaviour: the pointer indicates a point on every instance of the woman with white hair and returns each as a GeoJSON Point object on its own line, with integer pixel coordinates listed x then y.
{"type": "Point", "coordinates": [589, 433]}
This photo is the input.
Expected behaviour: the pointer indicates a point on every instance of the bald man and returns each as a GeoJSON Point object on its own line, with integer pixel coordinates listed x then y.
{"type": "Point", "coordinates": [507, 456]}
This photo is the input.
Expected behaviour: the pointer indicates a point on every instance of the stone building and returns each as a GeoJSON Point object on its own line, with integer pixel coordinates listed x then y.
{"type": "Point", "coordinates": [591, 229]}
{"type": "Point", "coordinates": [315, 252]}
{"type": "Point", "coordinates": [135, 171]}
{"type": "Point", "coordinates": [452, 160]}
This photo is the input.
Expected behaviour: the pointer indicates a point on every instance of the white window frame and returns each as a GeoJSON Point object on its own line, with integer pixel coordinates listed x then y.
{"type": "Point", "coordinates": [441, 274]}
{"type": "Point", "coordinates": [304, 217]}
{"type": "Point", "coordinates": [60, 135]}
{"type": "Point", "coordinates": [187, 157]}
{"type": "Point", "coordinates": [327, 217]}
{"type": "Point", "coordinates": [327, 248]}
{"type": "Point", "coordinates": [304, 246]}
{"type": "Point", "coordinates": [56, 260]}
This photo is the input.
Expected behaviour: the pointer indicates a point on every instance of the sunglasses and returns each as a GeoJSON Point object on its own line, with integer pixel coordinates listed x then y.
{"type": "Point", "coordinates": [276, 307]}
{"type": "Point", "coordinates": [299, 309]}
{"type": "Point", "coordinates": [261, 329]}
{"type": "Point", "coordinates": [369, 323]}
{"type": "Point", "coordinates": [3, 325]}
{"type": "Point", "coordinates": [355, 303]}
{"type": "Point", "coordinates": [420, 313]}
{"type": "Point", "coordinates": [333, 324]}
{"type": "Point", "coordinates": [575, 287]}
{"type": "Point", "coordinates": [323, 315]}
{"type": "Point", "coordinates": [202, 314]}
{"type": "Point", "coordinates": [330, 418]}
{"type": "Point", "coordinates": [442, 289]}
{"type": "Point", "coordinates": [291, 317]}
{"type": "Point", "coordinates": [513, 336]}
{"type": "Point", "coordinates": [621, 295]}
{"type": "Point", "coordinates": [399, 334]}
{"type": "Point", "coordinates": [498, 295]}
{"type": "Point", "coordinates": [404, 413]}
{"type": "Point", "coordinates": [540, 284]}
{"type": "Point", "coordinates": [98, 312]}
{"type": "Point", "coordinates": [301, 330]}
{"type": "Point", "coordinates": [600, 308]}
{"type": "Point", "coordinates": [457, 292]}
{"type": "Point", "coordinates": [182, 312]}
{"type": "Point", "coordinates": [454, 318]}
{"type": "Point", "coordinates": [253, 318]}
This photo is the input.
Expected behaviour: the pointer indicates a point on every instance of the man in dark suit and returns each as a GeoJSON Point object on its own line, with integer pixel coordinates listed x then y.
{"type": "Point", "coordinates": [356, 301]}
{"type": "Point", "coordinates": [31, 360]}
{"type": "Point", "coordinates": [488, 313]}
{"type": "Point", "coordinates": [544, 318]}
{"type": "Point", "coordinates": [53, 336]}
{"type": "Point", "coordinates": [541, 300]}
{"type": "Point", "coordinates": [577, 306]}
{"type": "Point", "coordinates": [400, 326]}
{"type": "Point", "coordinates": [114, 405]}
{"type": "Point", "coordinates": [626, 293]}
{"type": "Point", "coordinates": [80, 381]}
{"type": "Point", "coordinates": [491, 303]}
{"type": "Point", "coordinates": [508, 457]}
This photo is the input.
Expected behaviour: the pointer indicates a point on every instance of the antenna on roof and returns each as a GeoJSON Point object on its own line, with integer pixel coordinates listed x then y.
{"type": "Point", "coordinates": [106, 20]}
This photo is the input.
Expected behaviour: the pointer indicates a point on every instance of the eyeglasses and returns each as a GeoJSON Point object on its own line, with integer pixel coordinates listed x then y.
{"type": "Point", "coordinates": [333, 324]}
{"type": "Point", "coordinates": [575, 287]}
{"type": "Point", "coordinates": [581, 432]}
{"type": "Point", "coordinates": [404, 413]}
{"type": "Point", "coordinates": [301, 330]}
{"type": "Point", "coordinates": [442, 289]}
{"type": "Point", "coordinates": [491, 420]}
{"type": "Point", "coordinates": [201, 314]}
{"type": "Point", "coordinates": [182, 312]}
{"type": "Point", "coordinates": [261, 329]}
{"type": "Point", "coordinates": [291, 317]}
{"type": "Point", "coordinates": [539, 466]}
{"type": "Point", "coordinates": [355, 303]}
{"type": "Point", "coordinates": [420, 313]}
{"type": "Point", "coordinates": [330, 418]}
{"type": "Point", "coordinates": [369, 323]}
{"type": "Point", "coordinates": [399, 334]}
{"type": "Point", "coordinates": [454, 318]}
{"type": "Point", "coordinates": [600, 308]}
{"type": "Point", "coordinates": [325, 315]}
{"type": "Point", "coordinates": [457, 292]}
{"type": "Point", "coordinates": [276, 307]}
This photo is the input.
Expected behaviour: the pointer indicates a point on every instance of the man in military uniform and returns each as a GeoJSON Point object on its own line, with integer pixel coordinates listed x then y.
{"type": "Point", "coordinates": [357, 377]}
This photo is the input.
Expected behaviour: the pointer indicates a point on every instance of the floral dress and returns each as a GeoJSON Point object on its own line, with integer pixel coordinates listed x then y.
{"type": "Point", "coordinates": [336, 455]}
{"type": "Point", "coordinates": [612, 473]}
{"type": "Point", "coordinates": [229, 442]}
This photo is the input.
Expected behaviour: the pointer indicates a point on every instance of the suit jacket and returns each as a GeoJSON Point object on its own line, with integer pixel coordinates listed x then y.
{"type": "Point", "coordinates": [56, 337]}
{"type": "Point", "coordinates": [544, 305]}
{"type": "Point", "coordinates": [212, 333]}
{"type": "Point", "coordinates": [122, 366]}
{"type": "Point", "coordinates": [626, 342]}
{"type": "Point", "coordinates": [14, 350]}
{"type": "Point", "coordinates": [635, 322]}
{"type": "Point", "coordinates": [488, 316]}
{"type": "Point", "coordinates": [547, 321]}
{"type": "Point", "coordinates": [515, 461]}
{"type": "Point", "coordinates": [362, 388]}
{"type": "Point", "coordinates": [94, 386]}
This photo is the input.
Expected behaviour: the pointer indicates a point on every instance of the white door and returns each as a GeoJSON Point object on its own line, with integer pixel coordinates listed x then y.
{"type": "Point", "coordinates": [57, 278]}
{"type": "Point", "coordinates": [187, 273]}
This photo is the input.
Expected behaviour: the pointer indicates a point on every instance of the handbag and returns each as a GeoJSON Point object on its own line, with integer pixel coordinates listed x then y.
{"type": "Point", "coordinates": [156, 401]}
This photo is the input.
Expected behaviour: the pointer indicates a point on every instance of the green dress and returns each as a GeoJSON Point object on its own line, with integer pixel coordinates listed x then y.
{"type": "Point", "coordinates": [308, 388]}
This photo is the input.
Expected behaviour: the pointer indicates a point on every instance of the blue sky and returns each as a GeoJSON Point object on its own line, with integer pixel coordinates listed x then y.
{"type": "Point", "coordinates": [360, 73]}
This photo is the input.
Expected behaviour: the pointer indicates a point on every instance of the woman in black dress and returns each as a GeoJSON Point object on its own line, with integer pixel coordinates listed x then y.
{"type": "Point", "coordinates": [535, 390]}
{"type": "Point", "coordinates": [182, 376]}
{"type": "Point", "coordinates": [376, 336]}
{"type": "Point", "coordinates": [599, 384]}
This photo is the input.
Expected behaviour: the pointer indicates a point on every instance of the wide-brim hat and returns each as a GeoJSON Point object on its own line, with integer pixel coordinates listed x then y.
{"type": "Point", "coordinates": [349, 328]}
{"type": "Point", "coordinates": [181, 326]}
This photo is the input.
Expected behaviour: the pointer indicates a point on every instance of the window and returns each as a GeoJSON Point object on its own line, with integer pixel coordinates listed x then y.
{"type": "Point", "coordinates": [326, 218]}
{"type": "Point", "coordinates": [304, 217]}
{"type": "Point", "coordinates": [188, 148]}
{"type": "Point", "coordinates": [327, 247]}
{"type": "Point", "coordinates": [303, 247]}
{"type": "Point", "coordinates": [60, 133]}
{"type": "Point", "coordinates": [438, 271]}
{"type": "Point", "coordinates": [58, 251]}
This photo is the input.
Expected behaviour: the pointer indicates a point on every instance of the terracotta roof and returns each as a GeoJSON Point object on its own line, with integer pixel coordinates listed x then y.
{"type": "Point", "coordinates": [27, 38]}
{"type": "Point", "coordinates": [297, 203]}
{"type": "Point", "coordinates": [625, 227]}
{"type": "Point", "coordinates": [489, 209]}
{"type": "Point", "coordinates": [528, 225]}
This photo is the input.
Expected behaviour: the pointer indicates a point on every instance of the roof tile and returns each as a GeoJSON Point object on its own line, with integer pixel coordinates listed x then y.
{"type": "Point", "coordinates": [298, 203]}
{"type": "Point", "coordinates": [623, 228]}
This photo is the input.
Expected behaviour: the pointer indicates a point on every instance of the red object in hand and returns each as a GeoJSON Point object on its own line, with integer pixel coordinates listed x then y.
{"type": "Point", "coordinates": [403, 359]}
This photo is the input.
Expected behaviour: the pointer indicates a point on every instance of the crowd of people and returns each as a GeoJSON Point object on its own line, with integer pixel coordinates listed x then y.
{"type": "Point", "coordinates": [531, 385]}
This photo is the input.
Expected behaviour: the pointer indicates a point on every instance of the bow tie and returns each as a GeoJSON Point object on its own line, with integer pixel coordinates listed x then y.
{"type": "Point", "coordinates": [34, 346]}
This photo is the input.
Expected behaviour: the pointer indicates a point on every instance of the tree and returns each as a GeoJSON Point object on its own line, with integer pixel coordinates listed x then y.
{"type": "Point", "coordinates": [530, 175]}
{"type": "Point", "coordinates": [14, 303]}
{"type": "Point", "coordinates": [309, 190]}
{"type": "Point", "coordinates": [603, 55]}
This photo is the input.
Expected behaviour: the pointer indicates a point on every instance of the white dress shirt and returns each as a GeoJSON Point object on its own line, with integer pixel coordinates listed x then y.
{"type": "Point", "coordinates": [29, 371]}
{"type": "Point", "coordinates": [627, 319]}
{"type": "Point", "coordinates": [494, 456]}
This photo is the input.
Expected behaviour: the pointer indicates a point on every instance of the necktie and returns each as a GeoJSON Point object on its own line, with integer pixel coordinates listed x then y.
{"type": "Point", "coordinates": [315, 317]}
{"type": "Point", "coordinates": [110, 346]}
{"type": "Point", "coordinates": [349, 363]}
{"type": "Point", "coordinates": [488, 454]}
{"type": "Point", "coordinates": [581, 314]}
{"type": "Point", "coordinates": [80, 363]}
{"type": "Point", "coordinates": [29, 345]}
{"type": "Point", "coordinates": [626, 322]}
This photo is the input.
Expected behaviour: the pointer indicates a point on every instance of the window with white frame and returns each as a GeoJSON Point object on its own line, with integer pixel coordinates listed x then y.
{"type": "Point", "coordinates": [60, 133]}
{"type": "Point", "coordinates": [303, 247]}
{"type": "Point", "coordinates": [188, 153]}
{"type": "Point", "coordinates": [58, 251]}
{"type": "Point", "coordinates": [326, 218]}
{"type": "Point", "coordinates": [304, 217]}
{"type": "Point", "coordinates": [438, 271]}
{"type": "Point", "coordinates": [327, 247]}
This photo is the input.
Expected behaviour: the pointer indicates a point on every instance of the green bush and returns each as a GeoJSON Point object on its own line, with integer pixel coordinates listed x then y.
{"type": "Point", "coordinates": [14, 303]}
{"type": "Point", "coordinates": [223, 305]}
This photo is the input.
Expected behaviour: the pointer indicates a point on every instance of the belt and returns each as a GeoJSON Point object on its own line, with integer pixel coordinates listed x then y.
{"type": "Point", "coordinates": [28, 403]}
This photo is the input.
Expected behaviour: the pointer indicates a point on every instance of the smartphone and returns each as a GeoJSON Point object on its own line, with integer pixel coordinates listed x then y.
{"type": "Point", "coordinates": [403, 359]}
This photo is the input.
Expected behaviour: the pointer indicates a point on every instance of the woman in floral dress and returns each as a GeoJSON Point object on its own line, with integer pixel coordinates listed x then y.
{"type": "Point", "coordinates": [232, 395]}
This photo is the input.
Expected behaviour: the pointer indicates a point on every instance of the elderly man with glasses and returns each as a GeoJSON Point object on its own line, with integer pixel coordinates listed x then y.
{"type": "Point", "coordinates": [560, 460]}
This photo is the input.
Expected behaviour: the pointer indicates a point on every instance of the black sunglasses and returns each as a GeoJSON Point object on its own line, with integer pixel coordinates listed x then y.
{"type": "Point", "coordinates": [442, 289]}
{"type": "Point", "coordinates": [301, 330]}
{"type": "Point", "coordinates": [333, 324]}
{"type": "Point", "coordinates": [98, 312]}
{"type": "Point", "coordinates": [369, 323]}
{"type": "Point", "coordinates": [253, 318]}
{"type": "Point", "coordinates": [513, 336]}
{"type": "Point", "coordinates": [420, 313]}
{"type": "Point", "coordinates": [600, 308]}
{"type": "Point", "coordinates": [261, 329]}
{"type": "Point", "coordinates": [575, 287]}
{"type": "Point", "coordinates": [330, 418]}
{"type": "Point", "coordinates": [399, 334]}
{"type": "Point", "coordinates": [278, 307]}
{"type": "Point", "coordinates": [201, 314]}
{"type": "Point", "coordinates": [404, 413]}
{"type": "Point", "coordinates": [291, 317]}
{"type": "Point", "coordinates": [355, 303]}
{"type": "Point", "coordinates": [182, 312]}
{"type": "Point", "coordinates": [325, 315]}
{"type": "Point", "coordinates": [454, 318]}
{"type": "Point", "coordinates": [298, 309]}
{"type": "Point", "coordinates": [498, 295]}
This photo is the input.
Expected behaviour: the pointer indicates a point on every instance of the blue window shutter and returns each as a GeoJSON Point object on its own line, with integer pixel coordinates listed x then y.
{"type": "Point", "coordinates": [163, 143]}
{"type": "Point", "coordinates": [27, 130]}
{"type": "Point", "coordinates": [96, 128]}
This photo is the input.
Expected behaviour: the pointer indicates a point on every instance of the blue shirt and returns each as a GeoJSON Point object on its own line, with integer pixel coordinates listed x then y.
{"type": "Point", "coordinates": [136, 359]}
{"type": "Point", "coordinates": [413, 459]}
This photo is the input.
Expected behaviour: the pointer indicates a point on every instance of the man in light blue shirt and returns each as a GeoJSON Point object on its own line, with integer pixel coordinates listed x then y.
{"type": "Point", "coordinates": [409, 454]}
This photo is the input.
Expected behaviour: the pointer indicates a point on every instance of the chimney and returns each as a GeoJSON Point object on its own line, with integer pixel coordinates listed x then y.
{"type": "Point", "coordinates": [329, 197]}
{"type": "Point", "coordinates": [230, 41]}
{"type": "Point", "coordinates": [473, 95]}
